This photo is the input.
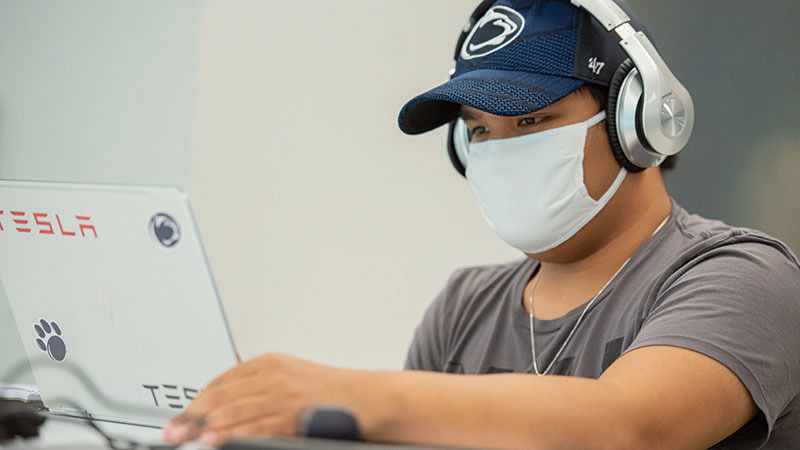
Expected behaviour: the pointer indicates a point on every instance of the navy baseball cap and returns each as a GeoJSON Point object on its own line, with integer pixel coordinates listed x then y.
{"type": "Point", "coordinates": [521, 56]}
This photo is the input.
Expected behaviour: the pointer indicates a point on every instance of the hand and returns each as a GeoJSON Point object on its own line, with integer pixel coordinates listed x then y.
{"type": "Point", "coordinates": [263, 396]}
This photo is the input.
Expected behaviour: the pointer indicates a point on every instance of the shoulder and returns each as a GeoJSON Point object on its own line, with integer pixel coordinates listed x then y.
{"type": "Point", "coordinates": [692, 243]}
{"type": "Point", "coordinates": [711, 232]}
{"type": "Point", "coordinates": [475, 281]}
{"type": "Point", "coordinates": [467, 294]}
{"type": "Point", "coordinates": [467, 286]}
{"type": "Point", "coordinates": [738, 246]}
{"type": "Point", "coordinates": [730, 293]}
{"type": "Point", "coordinates": [489, 273]}
{"type": "Point", "coordinates": [480, 290]}
{"type": "Point", "coordinates": [727, 280]}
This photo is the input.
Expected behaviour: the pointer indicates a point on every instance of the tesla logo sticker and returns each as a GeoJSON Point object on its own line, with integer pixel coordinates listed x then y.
{"type": "Point", "coordinates": [47, 223]}
{"type": "Point", "coordinates": [171, 395]}
{"type": "Point", "coordinates": [165, 230]}
{"type": "Point", "coordinates": [50, 340]}
{"type": "Point", "coordinates": [496, 29]}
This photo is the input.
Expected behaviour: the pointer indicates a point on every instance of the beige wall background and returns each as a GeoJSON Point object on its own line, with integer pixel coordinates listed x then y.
{"type": "Point", "coordinates": [329, 232]}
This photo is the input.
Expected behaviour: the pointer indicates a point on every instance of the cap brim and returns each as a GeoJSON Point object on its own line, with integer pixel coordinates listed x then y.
{"type": "Point", "coordinates": [498, 92]}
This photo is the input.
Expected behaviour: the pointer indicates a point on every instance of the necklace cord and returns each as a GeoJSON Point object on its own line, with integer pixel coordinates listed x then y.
{"type": "Point", "coordinates": [583, 313]}
{"type": "Point", "coordinates": [574, 328]}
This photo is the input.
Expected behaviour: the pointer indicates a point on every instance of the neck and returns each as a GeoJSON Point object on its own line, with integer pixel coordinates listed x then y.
{"type": "Point", "coordinates": [574, 272]}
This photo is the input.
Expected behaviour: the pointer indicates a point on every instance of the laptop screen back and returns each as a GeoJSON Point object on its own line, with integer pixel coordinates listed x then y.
{"type": "Point", "coordinates": [113, 298]}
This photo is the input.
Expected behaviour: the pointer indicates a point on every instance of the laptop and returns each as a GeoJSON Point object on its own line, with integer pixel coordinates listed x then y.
{"type": "Point", "coordinates": [113, 298]}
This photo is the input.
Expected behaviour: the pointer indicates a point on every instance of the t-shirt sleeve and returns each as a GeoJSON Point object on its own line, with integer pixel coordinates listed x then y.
{"type": "Point", "coordinates": [740, 305]}
{"type": "Point", "coordinates": [428, 345]}
{"type": "Point", "coordinates": [431, 343]}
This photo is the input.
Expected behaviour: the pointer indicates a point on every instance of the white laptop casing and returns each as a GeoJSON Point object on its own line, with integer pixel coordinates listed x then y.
{"type": "Point", "coordinates": [110, 286]}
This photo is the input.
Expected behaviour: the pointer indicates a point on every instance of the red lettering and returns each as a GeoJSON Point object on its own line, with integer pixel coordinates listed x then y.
{"type": "Point", "coordinates": [60, 227]}
{"type": "Point", "coordinates": [43, 223]}
{"type": "Point", "coordinates": [86, 226]}
{"type": "Point", "coordinates": [20, 221]}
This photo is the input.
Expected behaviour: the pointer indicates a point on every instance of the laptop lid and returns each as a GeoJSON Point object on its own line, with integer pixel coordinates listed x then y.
{"type": "Point", "coordinates": [113, 298]}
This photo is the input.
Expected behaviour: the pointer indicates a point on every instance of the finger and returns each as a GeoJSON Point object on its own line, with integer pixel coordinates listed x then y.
{"type": "Point", "coordinates": [187, 418]}
{"type": "Point", "coordinates": [188, 425]}
{"type": "Point", "coordinates": [183, 428]}
{"type": "Point", "coordinates": [191, 423]}
{"type": "Point", "coordinates": [262, 406]}
{"type": "Point", "coordinates": [258, 427]}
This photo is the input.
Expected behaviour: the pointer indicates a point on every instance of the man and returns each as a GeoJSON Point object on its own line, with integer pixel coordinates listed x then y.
{"type": "Point", "coordinates": [651, 327]}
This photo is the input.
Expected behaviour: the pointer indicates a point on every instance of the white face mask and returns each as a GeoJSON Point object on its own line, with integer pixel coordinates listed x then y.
{"type": "Point", "coordinates": [530, 188]}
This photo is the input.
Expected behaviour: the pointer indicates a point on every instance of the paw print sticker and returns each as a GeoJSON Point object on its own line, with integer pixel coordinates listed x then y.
{"type": "Point", "coordinates": [50, 340]}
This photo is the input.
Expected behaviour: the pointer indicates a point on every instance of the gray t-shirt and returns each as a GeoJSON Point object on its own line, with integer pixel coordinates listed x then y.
{"type": "Point", "coordinates": [730, 293]}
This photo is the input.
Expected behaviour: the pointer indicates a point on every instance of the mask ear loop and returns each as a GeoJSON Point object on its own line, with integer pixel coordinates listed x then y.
{"type": "Point", "coordinates": [594, 120]}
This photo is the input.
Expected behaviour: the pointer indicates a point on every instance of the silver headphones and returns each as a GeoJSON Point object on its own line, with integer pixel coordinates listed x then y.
{"type": "Point", "coordinates": [650, 115]}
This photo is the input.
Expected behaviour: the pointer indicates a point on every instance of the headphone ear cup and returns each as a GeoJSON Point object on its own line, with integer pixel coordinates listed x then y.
{"type": "Point", "coordinates": [452, 152]}
{"type": "Point", "coordinates": [612, 121]}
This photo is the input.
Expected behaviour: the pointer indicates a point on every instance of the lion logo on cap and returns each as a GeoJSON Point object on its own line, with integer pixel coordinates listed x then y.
{"type": "Point", "coordinates": [496, 29]}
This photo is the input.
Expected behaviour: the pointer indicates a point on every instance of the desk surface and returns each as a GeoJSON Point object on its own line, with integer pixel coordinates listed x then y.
{"type": "Point", "coordinates": [65, 433]}
{"type": "Point", "coordinates": [60, 432]}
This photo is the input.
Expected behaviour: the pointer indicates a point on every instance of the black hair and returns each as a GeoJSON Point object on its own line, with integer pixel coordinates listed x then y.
{"type": "Point", "coordinates": [600, 95]}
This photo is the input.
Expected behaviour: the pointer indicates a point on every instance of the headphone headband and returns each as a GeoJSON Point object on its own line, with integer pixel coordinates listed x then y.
{"type": "Point", "coordinates": [608, 13]}
{"type": "Point", "coordinates": [667, 109]}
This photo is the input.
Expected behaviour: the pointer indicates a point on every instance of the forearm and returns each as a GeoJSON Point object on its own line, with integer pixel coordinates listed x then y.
{"type": "Point", "coordinates": [502, 410]}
